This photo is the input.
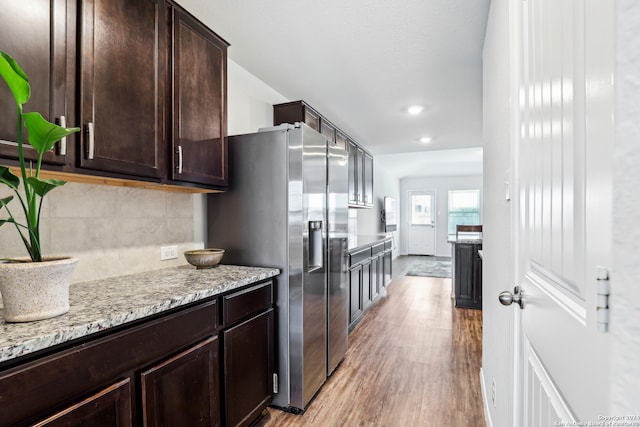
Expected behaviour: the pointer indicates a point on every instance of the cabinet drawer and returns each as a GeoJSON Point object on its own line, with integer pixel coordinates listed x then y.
{"type": "Point", "coordinates": [360, 256]}
{"type": "Point", "coordinates": [239, 305]}
{"type": "Point", "coordinates": [388, 245]}
{"type": "Point", "coordinates": [377, 249]}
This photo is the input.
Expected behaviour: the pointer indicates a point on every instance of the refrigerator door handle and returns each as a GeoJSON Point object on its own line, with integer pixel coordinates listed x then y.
{"type": "Point", "coordinates": [316, 246]}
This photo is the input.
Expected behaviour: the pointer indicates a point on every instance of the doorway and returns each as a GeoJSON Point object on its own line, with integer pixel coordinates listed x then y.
{"type": "Point", "coordinates": [421, 222]}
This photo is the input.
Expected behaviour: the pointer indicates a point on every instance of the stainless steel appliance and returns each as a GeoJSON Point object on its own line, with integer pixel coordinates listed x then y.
{"type": "Point", "coordinates": [287, 207]}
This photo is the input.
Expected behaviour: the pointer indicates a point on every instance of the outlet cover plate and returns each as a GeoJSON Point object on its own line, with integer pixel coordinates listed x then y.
{"type": "Point", "coordinates": [168, 252]}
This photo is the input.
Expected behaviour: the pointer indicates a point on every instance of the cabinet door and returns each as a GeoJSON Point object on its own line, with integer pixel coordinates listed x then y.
{"type": "Point", "coordinates": [388, 266]}
{"type": "Point", "coordinates": [38, 43]}
{"type": "Point", "coordinates": [355, 298]}
{"type": "Point", "coordinates": [375, 278]}
{"type": "Point", "coordinates": [248, 369]}
{"type": "Point", "coordinates": [183, 390]}
{"type": "Point", "coordinates": [360, 176]}
{"type": "Point", "coordinates": [365, 284]}
{"type": "Point", "coordinates": [466, 272]}
{"type": "Point", "coordinates": [477, 277]}
{"type": "Point", "coordinates": [311, 118]}
{"type": "Point", "coordinates": [199, 103]}
{"type": "Point", "coordinates": [122, 84]}
{"type": "Point", "coordinates": [367, 177]}
{"type": "Point", "coordinates": [341, 140]}
{"type": "Point", "coordinates": [110, 407]}
{"type": "Point", "coordinates": [353, 173]}
{"type": "Point", "coordinates": [328, 130]}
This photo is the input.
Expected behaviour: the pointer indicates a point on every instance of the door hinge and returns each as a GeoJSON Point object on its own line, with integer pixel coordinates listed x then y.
{"type": "Point", "coordinates": [602, 303]}
{"type": "Point", "coordinates": [275, 383]}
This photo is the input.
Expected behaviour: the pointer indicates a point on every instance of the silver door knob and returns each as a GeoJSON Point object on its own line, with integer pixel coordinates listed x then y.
{"type": "Point", "coordinates": [508, 298]}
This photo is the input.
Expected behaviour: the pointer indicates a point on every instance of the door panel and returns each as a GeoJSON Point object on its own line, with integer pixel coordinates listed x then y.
{"type": "Point", "coordinates": [38, 42]}
{"type": "Point", "coordinates": [421, 227]}
{"type": "Point", "coordinates": [563, 207]}
{"type": "Point", "coordinates": [122, 53]}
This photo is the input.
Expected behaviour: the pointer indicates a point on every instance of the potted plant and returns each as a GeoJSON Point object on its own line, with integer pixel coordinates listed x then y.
{"type": "Point", "coordinates": [34, 287]}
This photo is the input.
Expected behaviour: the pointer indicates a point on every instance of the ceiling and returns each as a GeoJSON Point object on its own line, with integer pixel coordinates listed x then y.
{"type": "Point", "coordinates": [362, 63]}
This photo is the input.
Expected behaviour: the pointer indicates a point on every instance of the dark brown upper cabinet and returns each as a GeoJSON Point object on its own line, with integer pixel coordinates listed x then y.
{"type": "Point", "coordinates": [367, 179]}
{"type": "Point", "coordinates": [199, 103]}
{"type": "Point", "coordinates": [296, 111]}
{"type": "Point", "coordinates": [122, 85]}
{"type": "Point", "coordinates": [360, 162]}
{"type": "Point", "coordinates": [38, 42]}
{"type": "Point", "coordinates": [143, 79]}
{"type": "Point", "coordinates": [328, 130]}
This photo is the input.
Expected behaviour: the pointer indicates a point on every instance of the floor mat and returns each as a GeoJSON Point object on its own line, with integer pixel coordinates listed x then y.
{"type": "Point", "coordinates": [431, 268]}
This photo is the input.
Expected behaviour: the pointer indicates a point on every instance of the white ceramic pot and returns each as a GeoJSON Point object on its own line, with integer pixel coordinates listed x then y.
{"type": "Point", "coordinates": [36, 290]}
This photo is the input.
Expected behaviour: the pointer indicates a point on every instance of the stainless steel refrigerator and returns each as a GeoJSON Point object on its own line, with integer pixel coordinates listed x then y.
{"type": "Point", "coordinates": [286, 207]}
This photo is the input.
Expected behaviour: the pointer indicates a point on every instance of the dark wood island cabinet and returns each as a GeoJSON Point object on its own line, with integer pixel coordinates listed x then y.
{"type": "Point", "coordinates": [467, 275]}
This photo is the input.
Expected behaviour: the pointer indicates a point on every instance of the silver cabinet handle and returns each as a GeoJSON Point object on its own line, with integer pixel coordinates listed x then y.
{"type": "Point", "coordinates": [63, 141]}
{"type": "Point", "coordinates": [90, 137]}
{"type": "Point", "coordinates": [179, 158]}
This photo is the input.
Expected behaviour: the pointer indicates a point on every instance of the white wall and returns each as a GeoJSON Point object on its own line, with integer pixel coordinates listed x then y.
{"type": "Point", "coordinates": [624, 302]}
{"type": "Point", "coordinates": [497, 260]}
{"type": "Point", "coordinates": [250, 101]}
{"type": "Point", "coordinates": [441, 185]}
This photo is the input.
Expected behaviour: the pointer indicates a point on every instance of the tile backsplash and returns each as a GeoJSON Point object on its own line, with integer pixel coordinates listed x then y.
{"type": "Point", "coordinates": [113, 230]}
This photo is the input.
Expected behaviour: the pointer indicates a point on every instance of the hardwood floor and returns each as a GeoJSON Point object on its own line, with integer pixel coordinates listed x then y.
{"type": "Point", "coordinates": [414, 360]}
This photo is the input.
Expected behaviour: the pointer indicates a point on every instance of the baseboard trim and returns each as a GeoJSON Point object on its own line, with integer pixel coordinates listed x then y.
{"type": "Point", "coordinates": [485, 400]}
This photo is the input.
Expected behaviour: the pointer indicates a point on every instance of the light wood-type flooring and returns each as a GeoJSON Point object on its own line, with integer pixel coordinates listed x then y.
{"type": "Point", "coordinates": [414, 360]}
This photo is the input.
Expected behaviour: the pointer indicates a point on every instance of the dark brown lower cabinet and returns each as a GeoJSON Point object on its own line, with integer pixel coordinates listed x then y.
{"type": "Point", "coordinates": [164, 371]}
{"type": "Point", "coordinates": [468, 275]}
{"type": "Point", "coordinates": [248, 368]}
{"type": "Point", "coordinates": [184, 389]}
{"type": "Point", "coordinates": [355, 295]}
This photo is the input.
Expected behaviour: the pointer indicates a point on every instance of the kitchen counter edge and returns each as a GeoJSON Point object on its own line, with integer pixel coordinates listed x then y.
{"type": "Point", "coordinates": [362, 241]}
{"type": "Point", "coordinates": [102, 304]}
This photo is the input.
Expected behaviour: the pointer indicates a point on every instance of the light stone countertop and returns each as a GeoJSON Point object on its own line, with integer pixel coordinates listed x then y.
{"type": "Point", "coordinates": [103, 304]}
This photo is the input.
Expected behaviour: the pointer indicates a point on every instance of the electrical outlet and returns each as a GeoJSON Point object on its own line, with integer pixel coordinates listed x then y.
{"type": "Point", "coordinates": [168, 252]}
{"type": "Point", "coordinates": [493, 392]}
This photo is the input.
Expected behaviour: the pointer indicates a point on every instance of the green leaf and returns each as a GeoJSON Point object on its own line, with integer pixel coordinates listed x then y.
{"type": "Point", "coordinates": [43, 186]}
{"type": "Point", "coordinates": [3, 202]}
{"type": "Point", "coordinates": [43, 134]}
{"type": "Point", "coordinates": [8, 178]}
{"type": "Point", "coordinates": [16, 79]}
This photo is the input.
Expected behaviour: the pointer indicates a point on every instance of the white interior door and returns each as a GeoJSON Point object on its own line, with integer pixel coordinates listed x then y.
{"type": "Point", "coordinates": [563, 208]}
{"type": "Point", "coordinates": [422, 226]}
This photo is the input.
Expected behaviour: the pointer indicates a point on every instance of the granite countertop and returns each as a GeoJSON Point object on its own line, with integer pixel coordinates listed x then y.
{"type": "Point", "coordinates": [103, 304]}
{"type": "Point", "coordinates": [451, 238]}
{"type": "Point", "coordinates": [362, 241]}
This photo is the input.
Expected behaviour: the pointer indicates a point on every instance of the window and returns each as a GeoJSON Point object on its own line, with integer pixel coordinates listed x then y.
{"type": "Point", "coordinates": [464, 208]}
{"type": "Point", "coordinates": [421, 210]}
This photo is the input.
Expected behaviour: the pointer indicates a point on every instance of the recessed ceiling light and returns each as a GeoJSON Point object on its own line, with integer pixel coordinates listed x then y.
{"type": "Point", "coordinates": [425, 139]}
{"type": "Point", "coordinates": [415, 109]}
